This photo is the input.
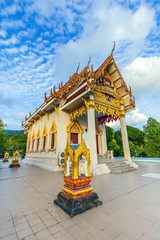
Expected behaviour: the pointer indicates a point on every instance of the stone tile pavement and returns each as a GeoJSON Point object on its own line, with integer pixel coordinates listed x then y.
{"type": "Point", "coordinates": [130, 210]}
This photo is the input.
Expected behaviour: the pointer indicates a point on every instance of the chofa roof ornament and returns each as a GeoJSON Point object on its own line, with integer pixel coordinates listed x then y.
{"type": "Point", "coordinates": [113, 48]}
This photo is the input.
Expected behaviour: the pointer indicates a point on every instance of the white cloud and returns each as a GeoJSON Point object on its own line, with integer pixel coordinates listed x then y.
{"type": "Point", "coordinates": [19, 116]}
{"type": "Point", "coordinates": [12, 24]}
{"type": "Point", "coordinates": [133, 118]}
{"type": "Point", "coordinates": [101, 26]}
{"type": "Point", "coordinates": [143, 74]}
{"type": "Point", "coordinates": [3, 33]}
{"type": "Point", "coordinates": [13, 40]}
{"type": "Point", "coordinates": [10, 10]}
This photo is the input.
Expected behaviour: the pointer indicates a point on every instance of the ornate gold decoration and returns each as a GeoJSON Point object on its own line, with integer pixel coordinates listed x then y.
{"type": "Point", "coordinates": [47, 115]}
{"type": "Point", "coordinates": [6, 155]}
{"type": "Point", "coordinates": [99, 108]}
{"type": "Point", "coordinates": [45, 131]}
{"type": "Point", "coordinates": [91, 84]}
{"type": "Point", "coordinates": [33, 135]}
{"type": "Point", "coordinates": [57, 110]}
{"type": "Point", "coordinates": [65, 88]}
{"type": "Point", "coordinates": [53, 130]}
{"type": "Point", "coordinates": [74, 194]}
{"type": "Point", "coordinates": [68, 151]}
{"type": "Point", "coordinates": [122, 113]}
{"type": "Point", "coordinates": [16, 157]}
{"type": "Point", "coordinates": [74, 127]}
{"type": "Point", "coordinates": [101, 97]}
{"type": "Point", "coordinates": [40, 117]}
{"type": "Point", "coordinates": [82, 149]}
{"type": "Point", "coordinates": [133, 102]}
{"type": "Point", "coordinates": [78, 112]}
{"type": "Point", "coordinates": [44, 134]}
{"type": "Point", "coordinates": [38, 133]}
{"type": "Point", "coordinates": [29, 137]}
{"type": "Point", "coordinates": [98, 130]}
{"type": "Point", "coordinates": [101, 69]}
{"type": "Point", "coordinates": [35, 121]}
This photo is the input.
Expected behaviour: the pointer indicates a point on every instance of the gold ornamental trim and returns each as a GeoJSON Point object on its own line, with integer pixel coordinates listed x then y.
{"type": "Point", "coordinates": [99, 107]}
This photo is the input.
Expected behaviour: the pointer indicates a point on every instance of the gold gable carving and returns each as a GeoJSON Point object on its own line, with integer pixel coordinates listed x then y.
{"type": "Point", "coordinates": [74, 127]}
{"type": "Point", "coordinates": [38, 133]}
{"type": "Point", "coordinates": [53, 128]}
{"type": "Point", "coordinates": [45, 131]}
{"type": "Point", "coordinates": [33, 135]}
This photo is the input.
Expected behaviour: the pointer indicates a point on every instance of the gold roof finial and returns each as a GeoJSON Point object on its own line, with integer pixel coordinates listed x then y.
{"type": "Point", "coordinates": [89, 61]}
{"type": "Point", "coordinates": [113, 48]}
{"type": "Point", "coordinates": [77, 68]}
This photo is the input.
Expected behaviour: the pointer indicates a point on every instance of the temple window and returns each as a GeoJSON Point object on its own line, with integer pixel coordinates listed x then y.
{"type": "Point", "coordinates": [52, 140]}
{"type": "Point", "coordinates": [53, 135]}
{"type": "Point", "coordinates": [44, 142]}
{"type": "Point", "coordinates": [33, 140]}
{"type": "Point", "coordinates": [37, 144]}
{"type": "Point", "coordinates": [38, 139]}
{"type": "Point", "coordinates": [44, 137]}
{"type": "Point", "coordinates": [32, 145]}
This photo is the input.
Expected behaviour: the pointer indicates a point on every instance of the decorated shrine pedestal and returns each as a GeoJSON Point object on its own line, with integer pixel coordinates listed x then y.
{"type": "Point", "coordinates": [15, 160]}
{"type": "Point", "coordinates": [6, 156]}
{"type": "Point", "coordinates": [77, 194]}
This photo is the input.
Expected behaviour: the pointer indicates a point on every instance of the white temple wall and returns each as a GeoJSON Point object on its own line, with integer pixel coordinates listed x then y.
{"type": "Point", "coordinates": [63, 121]}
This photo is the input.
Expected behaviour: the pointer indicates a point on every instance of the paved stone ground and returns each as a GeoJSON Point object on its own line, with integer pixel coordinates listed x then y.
{"type": "Point", "coordinates": [130, 210]}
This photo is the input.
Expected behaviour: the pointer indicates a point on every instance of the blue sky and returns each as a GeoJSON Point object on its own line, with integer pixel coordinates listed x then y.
{"type": "Point", "coordinates": [42, 42]}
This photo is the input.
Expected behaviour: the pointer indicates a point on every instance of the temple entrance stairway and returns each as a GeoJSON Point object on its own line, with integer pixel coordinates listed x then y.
{"type": "Point", "coordinates": [117, 166]}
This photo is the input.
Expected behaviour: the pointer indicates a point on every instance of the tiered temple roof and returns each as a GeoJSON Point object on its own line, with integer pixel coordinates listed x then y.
{"type": "Point", "coordinates": [82, 83]}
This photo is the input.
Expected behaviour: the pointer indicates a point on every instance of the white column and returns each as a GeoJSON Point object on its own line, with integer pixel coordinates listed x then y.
{"type": "Point", "coordinates": [92, 139]}
{"type": "Point", "coordinates": [125, 141]}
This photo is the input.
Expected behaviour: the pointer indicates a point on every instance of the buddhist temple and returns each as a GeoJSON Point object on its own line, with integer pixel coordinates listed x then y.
{"type": "Point", "coordinates": [77, 112]}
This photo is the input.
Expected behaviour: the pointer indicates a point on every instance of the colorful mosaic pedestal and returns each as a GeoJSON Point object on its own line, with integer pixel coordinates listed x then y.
{"type": "Point", "coordinates": [5, 160]}
{"type": "Point", "coordinates": [15, 160]}
{"type": "Point", "coordinates": [77, 196]}
{"type": "Point", "coordinates": [15, 163]}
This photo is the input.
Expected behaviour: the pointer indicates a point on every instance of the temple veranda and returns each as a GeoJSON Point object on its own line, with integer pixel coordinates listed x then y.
{"type": "Point", "coordinates": [78, 111]}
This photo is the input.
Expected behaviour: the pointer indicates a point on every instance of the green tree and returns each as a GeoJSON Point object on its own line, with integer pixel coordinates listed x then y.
{"type": "Point", "coordinates": [136, 141]}
{"type": "Point", "coordinates": [152, 138]}
{"type": "Point", "coordinates": [109, 136]}
{"type": "Point", "coordinates": [2, 138]}
{"type": "Point", "coordinates": [16, 142]}
{"type": "Point", "coordinates": [135, 135]}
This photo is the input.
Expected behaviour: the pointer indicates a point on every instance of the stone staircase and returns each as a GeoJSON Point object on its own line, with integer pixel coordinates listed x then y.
{"type": "Point", "coordinates": [117, 166]}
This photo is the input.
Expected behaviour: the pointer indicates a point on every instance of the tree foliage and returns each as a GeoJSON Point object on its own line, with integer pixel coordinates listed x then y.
{"type": "Point", "coordinates": [136, 141]}
{"type": "Point", "coordinates": [10, 143]}
{"type": "Point", "coordinates": [152, 138]}
{"type": "Point", "coordinates": [2, 139]}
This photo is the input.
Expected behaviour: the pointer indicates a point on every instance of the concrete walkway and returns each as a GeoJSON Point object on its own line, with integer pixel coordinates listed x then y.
{"type": "Point", "coordinates": [130, 210]}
